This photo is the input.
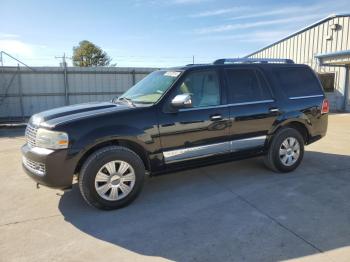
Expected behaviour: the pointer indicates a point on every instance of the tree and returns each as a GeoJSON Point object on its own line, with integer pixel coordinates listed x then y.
{"type": "Point", "coordinates": [88, 54]}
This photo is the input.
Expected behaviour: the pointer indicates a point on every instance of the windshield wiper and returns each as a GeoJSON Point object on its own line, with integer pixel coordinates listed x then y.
{"type": "Point", "coordinates": [128, 100]}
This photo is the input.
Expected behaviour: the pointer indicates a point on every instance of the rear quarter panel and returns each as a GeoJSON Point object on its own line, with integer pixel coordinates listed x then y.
{"type": "Point", "coordinates": [306, 111]}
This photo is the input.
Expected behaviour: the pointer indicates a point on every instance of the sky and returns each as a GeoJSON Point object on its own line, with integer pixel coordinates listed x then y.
{"type": "Point", "coordinates": [152, 33]}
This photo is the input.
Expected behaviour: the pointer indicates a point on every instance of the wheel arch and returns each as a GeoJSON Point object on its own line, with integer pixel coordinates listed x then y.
{"type": "Point", "coordinates": [135, 147]}
{"type": "Point", "coordinates": [297, 124]}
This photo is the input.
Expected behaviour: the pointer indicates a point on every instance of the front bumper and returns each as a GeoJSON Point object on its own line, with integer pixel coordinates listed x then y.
{"type": "Point", "coordinates": [52, 168]}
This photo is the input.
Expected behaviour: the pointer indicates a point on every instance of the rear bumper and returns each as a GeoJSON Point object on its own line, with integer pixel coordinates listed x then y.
{"type": "Point", "coordinates": [52, 168]}
{"type": "Point", "coordinates": [318, 129]}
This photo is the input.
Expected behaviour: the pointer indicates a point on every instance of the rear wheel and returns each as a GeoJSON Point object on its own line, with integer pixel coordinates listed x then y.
{"type": "Point", "coordinates": [286, 150]}
{"type": "Point", "coordinates": [111, 178]}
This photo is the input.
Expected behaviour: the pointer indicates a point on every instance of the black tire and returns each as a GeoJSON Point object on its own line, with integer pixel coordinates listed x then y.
{"type": "Point", "coordinates": [273, 160]}
{"type": "Point", "coordinates": [94, 163]}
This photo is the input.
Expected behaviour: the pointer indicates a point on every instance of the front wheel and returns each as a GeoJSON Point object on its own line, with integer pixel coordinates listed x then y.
{"type": "Point", "coordinates": [286, 150]}
{"type": "Point", "coordinates": [111, 178]}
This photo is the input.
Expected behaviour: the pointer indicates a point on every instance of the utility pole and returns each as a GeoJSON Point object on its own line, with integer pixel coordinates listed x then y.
{"type": "Point", "coordinates": [193, 59]}
{"type": "Point", "coordinates": [64, 62]}
{"type": "Point", "coordinates": [2, 62]}
{"type": "Point", "coordinates": [65, 75]}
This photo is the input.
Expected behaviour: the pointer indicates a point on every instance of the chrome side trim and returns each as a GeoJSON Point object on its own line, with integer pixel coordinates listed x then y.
{"type": "Point", "coordinates": [302, 97]}
{"type": "Point", "coordinates": [227, 105]}
{"type": "Point", "coordinates": [196, 152]}
{"type": "Point", "coordinates": [241, 144]}
{"type": "Point", "coordinates": [252, 103]}
{"type": "Point", "coordinates": [212, 149]}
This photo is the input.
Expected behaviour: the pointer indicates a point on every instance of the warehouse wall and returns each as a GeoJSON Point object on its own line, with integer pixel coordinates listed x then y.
{"type": "Point", "coordinates": [348, 90]}
{"type": "Point", "coordinates": [303, 47]}
{"type": "Point", "coordinates": [24, 92]}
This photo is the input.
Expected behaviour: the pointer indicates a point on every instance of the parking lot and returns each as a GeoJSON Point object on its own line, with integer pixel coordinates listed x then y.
{"type": "Point", "coordinates": [238, 211]}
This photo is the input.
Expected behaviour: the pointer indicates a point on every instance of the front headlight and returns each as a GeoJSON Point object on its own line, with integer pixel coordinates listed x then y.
{"type": "Point", "coordinates": [51, 139]}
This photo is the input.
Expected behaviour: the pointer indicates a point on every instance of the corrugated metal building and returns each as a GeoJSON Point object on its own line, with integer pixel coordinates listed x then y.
{"type": "Point", "coordinates": [325, 46]}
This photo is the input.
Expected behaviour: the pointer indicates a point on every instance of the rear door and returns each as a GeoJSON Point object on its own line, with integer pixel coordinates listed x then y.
{"type": "Point", "coordinates": [253, 108]}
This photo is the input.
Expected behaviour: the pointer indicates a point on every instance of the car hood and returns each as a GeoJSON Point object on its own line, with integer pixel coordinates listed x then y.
{"type": "Point", "coordinates": [54, 117]}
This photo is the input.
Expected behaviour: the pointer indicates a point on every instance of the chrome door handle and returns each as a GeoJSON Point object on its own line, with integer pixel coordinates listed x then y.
{"type": "Point", "coordinates": [216, 117]}
{"type": "Point", "coordinates": [274, 109]}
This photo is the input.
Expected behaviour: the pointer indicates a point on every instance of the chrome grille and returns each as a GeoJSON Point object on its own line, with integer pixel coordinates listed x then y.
{"type": "Point", "coordinates": [35, 167]}
{"type": "Point", "coordinates": [31, 135]}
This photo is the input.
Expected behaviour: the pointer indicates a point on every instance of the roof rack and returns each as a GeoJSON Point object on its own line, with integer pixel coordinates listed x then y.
{"type": "Point", "coordinates": [252, 61]}
{"type": "Point", "coordinates": [196, 64]}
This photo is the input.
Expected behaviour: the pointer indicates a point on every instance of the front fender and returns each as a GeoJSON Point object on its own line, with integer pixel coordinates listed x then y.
{"type": "Point", "coordinates": [113, 132]}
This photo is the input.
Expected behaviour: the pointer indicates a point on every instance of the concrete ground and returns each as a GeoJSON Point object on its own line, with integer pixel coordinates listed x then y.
{"type": "Point", "coordinates": [237, 211]}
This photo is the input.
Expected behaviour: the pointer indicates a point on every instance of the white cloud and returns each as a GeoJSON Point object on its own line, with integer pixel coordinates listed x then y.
{"type": "Point", "coordinates": [291, 10]}
{"type": "Point", "coordinates": [31, 54]}
{"type": "Point", "coordinates": [140, 3]}
{"type": "Point", "coordinates": [232, 27]}
{"type": "Point", "coordinates": [16, 47]}
{"type": "Point", "coordinates": [256, 12]}
{"type": "Point", "coordinates": [188, 1]}
{"type": "Point", "coordinates": [262, 35]}
{"type": "Point", "coordinates": [218, 12]}
{"type": "Point", "coordinates": [5, 35]}
{"type": "Point", "coordinates": [256, 36]}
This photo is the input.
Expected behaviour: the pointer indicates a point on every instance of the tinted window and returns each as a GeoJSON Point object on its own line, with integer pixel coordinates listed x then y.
{"type": "Point", "coordinates": [327, 81]}
{"type": "Point", "coordinates": [152, 87]}
{"type": "Point", "coordinates": [297, 82]}
{"type": "Point", "coordinates": [246, 85]}
{"type": "Point", "coordinates": [204, 87]}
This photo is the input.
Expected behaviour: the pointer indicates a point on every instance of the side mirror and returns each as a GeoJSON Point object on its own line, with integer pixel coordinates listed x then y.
{"type": "Point", "coordinates": [182, 101]}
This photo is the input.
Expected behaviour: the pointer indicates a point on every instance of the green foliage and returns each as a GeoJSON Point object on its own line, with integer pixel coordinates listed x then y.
{"type": "Point", "coordinates": [88, 54]}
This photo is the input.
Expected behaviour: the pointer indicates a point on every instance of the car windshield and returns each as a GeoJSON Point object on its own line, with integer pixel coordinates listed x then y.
{"type": "Point", "coordinates": [151, 88]}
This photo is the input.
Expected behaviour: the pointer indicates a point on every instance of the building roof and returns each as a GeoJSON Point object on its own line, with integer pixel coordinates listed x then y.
{"type": "Point", "coordinates": [334, 58]}
{"type": "Point", "coordinates": [334, 54]}
{"type": "Point", "coordinates": [301, 31]}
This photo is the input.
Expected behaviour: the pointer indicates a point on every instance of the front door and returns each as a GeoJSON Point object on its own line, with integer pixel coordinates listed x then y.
{"type": "Point", "coordinates": [199, 131]}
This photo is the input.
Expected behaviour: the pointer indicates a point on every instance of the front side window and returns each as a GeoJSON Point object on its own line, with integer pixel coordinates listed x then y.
{"type": "Point", "coordinates": [246, 85]}
{"type": "Point", "coordinates": [152, 87]}
{"type": "Point", "coordinates": [204, 88]}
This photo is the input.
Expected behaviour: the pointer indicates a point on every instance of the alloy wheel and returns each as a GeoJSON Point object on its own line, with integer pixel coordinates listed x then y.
{"type": "Point", "coordinates": [115, 180]}
{"type": "Point", "coordinates": [289, 151]}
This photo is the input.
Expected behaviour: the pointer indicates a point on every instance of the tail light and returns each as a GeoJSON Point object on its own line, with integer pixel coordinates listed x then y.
{"type": "Point", "coordinates": [325, 106]}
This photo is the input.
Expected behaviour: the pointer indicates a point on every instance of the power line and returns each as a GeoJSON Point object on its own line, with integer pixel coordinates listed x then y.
{"type": "Point", "coordinates": [64, 57]}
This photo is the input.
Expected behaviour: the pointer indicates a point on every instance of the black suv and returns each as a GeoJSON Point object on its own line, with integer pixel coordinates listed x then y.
{"type": "Point", "coordinates": [175, 119]}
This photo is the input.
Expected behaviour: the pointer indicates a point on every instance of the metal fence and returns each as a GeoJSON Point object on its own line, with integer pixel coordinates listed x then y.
{"type": "Point", "coordinates": [26, 91]}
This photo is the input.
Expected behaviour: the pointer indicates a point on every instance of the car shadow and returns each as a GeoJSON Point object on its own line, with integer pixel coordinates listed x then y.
{"type": "Point", "coordinates": [232, 211]}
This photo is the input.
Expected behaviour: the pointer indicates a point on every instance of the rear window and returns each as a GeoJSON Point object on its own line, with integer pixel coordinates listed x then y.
{"type": "Point", "coordinates": [298, 82]}
{"type": "Point", "coordinates": [246, 85]}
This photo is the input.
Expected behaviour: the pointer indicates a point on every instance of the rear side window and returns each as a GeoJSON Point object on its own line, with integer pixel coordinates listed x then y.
{"type": "Point", "coordinates": [247, 85]}
{"type": "Point", "coordinates": [297, 82]}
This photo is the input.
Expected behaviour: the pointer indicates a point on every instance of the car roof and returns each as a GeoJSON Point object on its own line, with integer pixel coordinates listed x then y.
{"type": "Point", "coordinates": [233, 65]}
